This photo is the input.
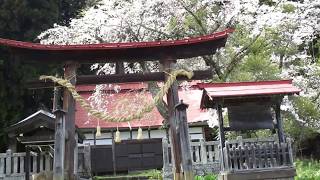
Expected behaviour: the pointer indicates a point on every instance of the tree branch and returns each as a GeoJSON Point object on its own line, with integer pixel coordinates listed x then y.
{"type": "Point", "coordinates": [161, 106]}
{"type": "Point", "coordinates": [209, 60]}
{"type": "Point", "coordinates": [154, 89]}
{"type": "Point", "coordinates": [154, 30]}
{"type": "Point", "coordinates": [199, 22]}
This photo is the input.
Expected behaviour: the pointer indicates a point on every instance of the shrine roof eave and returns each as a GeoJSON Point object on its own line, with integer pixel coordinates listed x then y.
{"type": "Point", "coordinates": [34, 121]}
{"type": "Point", "coordinates": [237, 91]}
{"type": "Point", "coordinates": [112, 52]}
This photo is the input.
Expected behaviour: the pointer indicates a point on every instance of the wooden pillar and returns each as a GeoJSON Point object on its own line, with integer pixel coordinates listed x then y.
{"type": "Point", "coordinates": [113, 154]}
{"type": "Point", "coordinates": [181, 116]}
{"type": "Point", "coordinates": [221, 134]}
{"type": "Point", "coordinates": [131, 136]}
{"type": "Point", "coordinates": [59, 146]}
{"type": "Point", "coordinates": [279, 123]}
{"type": "Point", "coordinates": [56, 97]}
{"type": "Point", "coordinates": [149, 133]}
{"type": "Point", "coordinates": [165, 156]}
{"type": "Point", "coordinates": [203, 147]}
{"type": "Point", "coordinates": [38, 161]}
{"type": "Point", "coordinates": [59, 139]}
{"type": "Point", "coordinates": [12, 144]}
{"type": "Point", "coordinates": [172, 100]}
{"type": "Point", "coordinates": [75, 162]}
{"type": "Point", "coordinates": [94, 138]}
{"type": "Point", "coordinates": [8, 162]}
{"type": "Point", "coordinates": [120, 68]}
{"type": "Point", "coordinates": [27, 164]}
{"type": "Point", "coordinates": [87, 158]}
{"type": "Point", "coordinates": [69, 108]}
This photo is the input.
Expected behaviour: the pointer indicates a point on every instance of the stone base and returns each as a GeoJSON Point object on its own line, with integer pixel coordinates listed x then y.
{"type": "Point", "coordinates": [198, 169]}
{"type": "Point", "coordinates": [281, 173]}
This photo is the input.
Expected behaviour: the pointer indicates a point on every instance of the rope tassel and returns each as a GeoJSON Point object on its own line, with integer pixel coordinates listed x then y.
{"type": "Point", "coordinates": [98, 133]}
{"type": "Point", "coordinates": [117, 137]}
{"type": "Point", "coordinates": [103, 116]}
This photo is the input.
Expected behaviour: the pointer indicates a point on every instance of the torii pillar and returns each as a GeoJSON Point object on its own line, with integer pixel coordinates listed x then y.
{"type": "Point", "coordinates": [70, 70]}
{"type": "Point", "coordinates": [172, 100]}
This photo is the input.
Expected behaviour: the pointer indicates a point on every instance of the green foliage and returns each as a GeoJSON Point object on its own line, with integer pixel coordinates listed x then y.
{"type": "Point", "coordinates": [24, 20]}
{"type": "Point", "coordinates": [307, 110]}
{"type": "Point", "coordinates": [267, 2]}
{"type": "Point", "coordinates": [191, 23]}
{"type": "Point", "coordinates": [155, 174]}
{"type": "Point", "coordinates": [307, 170]}
{"type": "Point", "coordinates": [254, 68]}
{"type": "Point", "coordinates": [288, 8]}
{"type": "Point", "coordinates": [70, 9]}
{"type": "Point", "coordinates": [296, 129]}
{"type": "Point", "coordinates": [308, 113]}
{"type": "Point", "coordinates": [314, 49]}
{"type": "Point", "coordinates": [252, 56]}
{"type": "Point", "coordinates": [256, 65]}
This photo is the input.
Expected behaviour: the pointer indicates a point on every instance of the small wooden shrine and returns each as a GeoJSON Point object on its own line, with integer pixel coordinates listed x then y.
{"type": "Point", "coordinates": [35, 135]}
{"type": "Point", "coordinates": [251, 106]}
{"type": "Point", "coordinates": [37, 129]}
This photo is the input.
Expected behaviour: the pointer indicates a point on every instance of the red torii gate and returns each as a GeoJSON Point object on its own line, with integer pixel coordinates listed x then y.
{"type": "Point", "coordinates": [167, 52]}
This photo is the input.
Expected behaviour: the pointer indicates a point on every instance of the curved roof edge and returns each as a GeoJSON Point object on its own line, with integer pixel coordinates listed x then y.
{"type": "Point", "coordinates": [111, 52]}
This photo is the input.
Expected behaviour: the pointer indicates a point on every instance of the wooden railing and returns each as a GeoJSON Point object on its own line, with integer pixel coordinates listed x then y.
{"type": "Point", "coordinates": [239, 154]}
{"type": "Point", "coordinates": [257, 154]}
{"type": "Point", "coordinates": [202, 152]}
{"type": "Point", "coordinates": [13, 164]}
{"type": "Point", "coordinates": [248, 141]}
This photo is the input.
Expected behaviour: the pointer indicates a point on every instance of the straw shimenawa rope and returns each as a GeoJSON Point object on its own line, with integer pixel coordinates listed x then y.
{"type": "Point", "coordinates": [103, 116]}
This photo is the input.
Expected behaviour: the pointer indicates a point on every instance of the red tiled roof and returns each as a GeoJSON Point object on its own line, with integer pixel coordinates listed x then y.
{"type": "Point", "coordinates": [152, 119]}
{"type": "Point", "coordinates": [239, 89]}
{"type": "Point", "coordinates": [111, 52]}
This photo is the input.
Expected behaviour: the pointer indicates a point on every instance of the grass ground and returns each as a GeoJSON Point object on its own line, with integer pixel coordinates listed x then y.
{"type": "Point", "coordinates": [149, 174]}
{"type": "Point", "coordinates": [306, 170]}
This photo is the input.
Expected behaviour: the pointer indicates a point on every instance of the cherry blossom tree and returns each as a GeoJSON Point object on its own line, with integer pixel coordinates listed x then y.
{"type": "Point", "coordinates": [273, 38]}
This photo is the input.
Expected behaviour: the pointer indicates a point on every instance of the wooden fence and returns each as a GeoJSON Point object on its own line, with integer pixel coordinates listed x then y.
{"type": "Point", "coordinates": [127, 155]}
{"type": "Point", "coordinates": [257, 154]}
{"type": "Point", "coordinates": [12, 165]}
